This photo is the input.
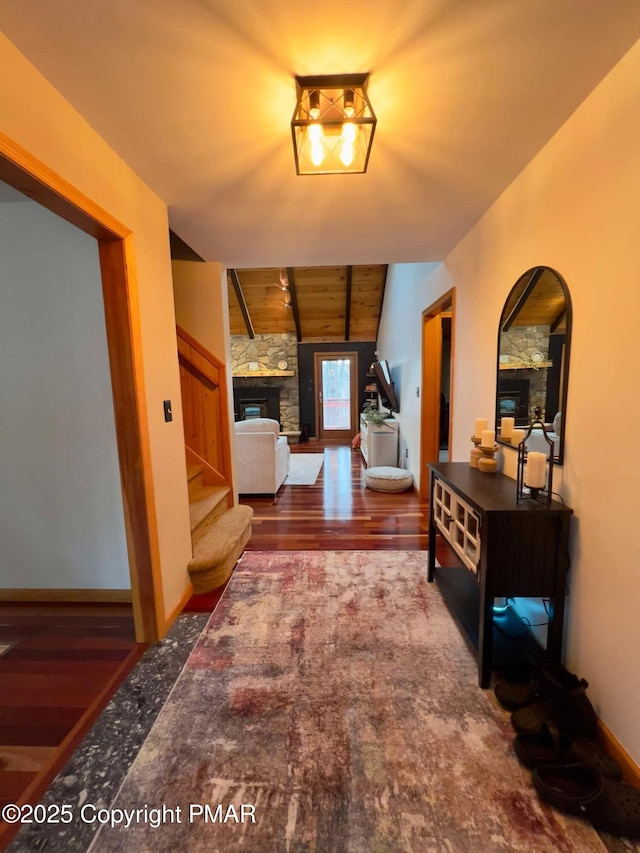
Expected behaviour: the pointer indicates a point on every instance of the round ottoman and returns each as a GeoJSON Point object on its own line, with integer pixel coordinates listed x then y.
{"type": "Point", "coordinates": [387, 479]}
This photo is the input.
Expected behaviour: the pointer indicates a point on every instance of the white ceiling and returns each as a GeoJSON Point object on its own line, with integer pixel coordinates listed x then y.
{"type": "Point", "coordinates": [197, 96]}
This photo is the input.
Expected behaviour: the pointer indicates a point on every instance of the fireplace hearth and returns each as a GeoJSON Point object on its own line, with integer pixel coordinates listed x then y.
{"type": "Point", "coordinates": [256, 402]}
{"type": "Point", "coordinates": [513, 400]}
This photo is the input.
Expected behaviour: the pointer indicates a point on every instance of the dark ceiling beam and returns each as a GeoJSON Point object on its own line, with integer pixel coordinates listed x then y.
{"type": "Point", "coordinates": [384, 287]}
{"type": "Point", "coordinates": [294, 301]}
{"type": "Point", "coordinates": [347, 309]}
{"type": "Point", "coordinates": [560, 319]}
{"type": "Point", "coordinates": [526, 293]}
{"type": "Point", "coordinates": [242, 302]}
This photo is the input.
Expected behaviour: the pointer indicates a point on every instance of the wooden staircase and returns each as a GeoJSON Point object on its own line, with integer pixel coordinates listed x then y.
{"type": "Point", "coordinates": [219, 531]}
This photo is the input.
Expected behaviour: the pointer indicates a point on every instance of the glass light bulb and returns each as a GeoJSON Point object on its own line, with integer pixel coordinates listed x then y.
{"type": "Point", "coordinates": [349, 107]}
{"type": "Point", "coordinates": [316, 136]}
{"type": "Point", "coordinates": [314, 105]}
{"type": "Point", "coordinates": [315, 133]}
{"type": "Point", "coordinates": [317, 153]}
{"type": "Point", "coordinates": [349, 132]}
{"type": "Point", "coordinates": [347, 153]}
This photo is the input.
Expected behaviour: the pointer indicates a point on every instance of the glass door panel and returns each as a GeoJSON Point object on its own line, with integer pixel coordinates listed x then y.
{"type": "Point", "coordinates": [336, 394]}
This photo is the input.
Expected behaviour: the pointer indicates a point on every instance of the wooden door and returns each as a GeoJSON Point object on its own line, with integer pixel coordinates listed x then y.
{"type": "Point", "coordinates": [432, 384]}
{"type": "Point", "coordinates": [336, 390]}
{"type": "Point", "coordinates": [21, 170]}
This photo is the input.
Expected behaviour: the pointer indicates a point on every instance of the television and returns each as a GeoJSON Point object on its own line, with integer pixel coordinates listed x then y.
{"type": "Point", "coordinates": [386, 390]}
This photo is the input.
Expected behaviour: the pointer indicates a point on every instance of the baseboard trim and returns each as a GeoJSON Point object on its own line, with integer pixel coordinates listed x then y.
{"type": "Point", "coordinates": [67, 596]}
{"type": "Point", "coordinates": [630, 769]}
{"type": "Point", "coordinates": [178, 608]}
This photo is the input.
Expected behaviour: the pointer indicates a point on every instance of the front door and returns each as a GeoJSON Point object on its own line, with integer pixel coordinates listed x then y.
{"type": "Point", "coordinates": [336, 395]}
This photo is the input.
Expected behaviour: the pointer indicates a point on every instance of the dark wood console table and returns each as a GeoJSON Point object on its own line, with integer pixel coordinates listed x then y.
{"type": "Point", "coordinates": [510, 549]}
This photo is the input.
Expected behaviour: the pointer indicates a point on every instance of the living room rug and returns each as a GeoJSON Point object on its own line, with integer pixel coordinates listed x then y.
{"type": "Point", "coordinates": [331, 705]}
{"type": "Point", "coordinates": [304, 469]}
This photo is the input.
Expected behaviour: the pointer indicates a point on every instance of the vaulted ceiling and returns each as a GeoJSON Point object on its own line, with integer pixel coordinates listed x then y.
{"type": "Point", "coordinates": [197, 96]}
{"type": "Point", "coordinates": [314, 303]}
{"type": "Point", "coordinates": [537, 299]}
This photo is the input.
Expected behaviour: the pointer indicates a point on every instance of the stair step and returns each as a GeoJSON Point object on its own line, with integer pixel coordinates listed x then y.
{"type": "Point", "coordinates": [218, 550]}
{"type": "Point", "coordinates": [193, 471]}
{"type": "Point", "coordinates": [205, 501]}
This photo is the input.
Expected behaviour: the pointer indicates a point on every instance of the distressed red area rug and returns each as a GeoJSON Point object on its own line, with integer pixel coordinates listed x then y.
{"type": "Point", "coordinates": [331, 705]}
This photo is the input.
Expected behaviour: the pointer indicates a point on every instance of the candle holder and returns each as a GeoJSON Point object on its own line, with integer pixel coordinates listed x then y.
{"type": "Point", "coordinates": [543, 495]}
{"type": "Point", "coordinates": [486, 463]}
{"type": "Point", "coordinates": [475, 454]}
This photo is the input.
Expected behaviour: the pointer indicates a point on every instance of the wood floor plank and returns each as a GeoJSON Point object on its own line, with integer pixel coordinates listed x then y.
{"type": "Point", "coordinates": [76, 690]}
{"type": "Point", "coordinates": [68, 662]}
{"type": "Point", "coordinates": [12, 785]}
{"type": "Point", "coordinates": [26, 759]}
{"type": "Point", "coordinates": [338, 512]}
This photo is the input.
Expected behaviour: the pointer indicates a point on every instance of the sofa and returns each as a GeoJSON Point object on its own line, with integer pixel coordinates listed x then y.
{"type": "Point", "coordinates": [262, 456]}
{"type": "Point", "coordinates": [537, 441]}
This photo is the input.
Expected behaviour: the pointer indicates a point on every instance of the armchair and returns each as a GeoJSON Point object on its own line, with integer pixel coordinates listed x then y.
{"type": "Point", "coordinates": [262, 456]}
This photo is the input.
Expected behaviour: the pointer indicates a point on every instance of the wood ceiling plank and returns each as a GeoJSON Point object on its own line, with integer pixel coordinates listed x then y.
{"type": "Point", "coordinates": [543, 304]}
{"type": "Point", "coordinates": [322, 310]}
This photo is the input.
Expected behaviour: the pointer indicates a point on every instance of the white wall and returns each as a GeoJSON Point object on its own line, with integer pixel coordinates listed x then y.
{"type": "Point", "coordinates": [575, 208]}
{"type": "Point", "coordinates": [61, 516]}
{"type": "Point", "coordinates": [36, 117]}
{"type": "Point", "coordinates": [406, 295]}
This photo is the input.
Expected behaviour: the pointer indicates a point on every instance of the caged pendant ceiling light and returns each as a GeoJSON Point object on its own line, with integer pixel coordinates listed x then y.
{"type": "Point", "coordinates": [332, 125]}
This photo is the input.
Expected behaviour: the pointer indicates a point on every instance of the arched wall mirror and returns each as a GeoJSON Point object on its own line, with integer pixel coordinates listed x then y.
{"type": "Point", "coordinates": [534, 340]}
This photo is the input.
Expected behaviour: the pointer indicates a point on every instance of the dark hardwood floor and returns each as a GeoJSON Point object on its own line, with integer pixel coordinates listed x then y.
{"type": "Point", "coordinates": [67, 663]}
{"type": "Point", "coordinates": [338, 512]}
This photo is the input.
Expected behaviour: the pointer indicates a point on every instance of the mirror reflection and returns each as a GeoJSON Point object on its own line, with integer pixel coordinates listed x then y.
{"type": "Point", "coordinates": [533, 359]}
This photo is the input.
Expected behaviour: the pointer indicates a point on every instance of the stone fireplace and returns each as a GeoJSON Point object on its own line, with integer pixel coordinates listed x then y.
{"type": "Point", "coordinates": [517, 345]}
{"type": "Point", "coordinates": [260, 383]}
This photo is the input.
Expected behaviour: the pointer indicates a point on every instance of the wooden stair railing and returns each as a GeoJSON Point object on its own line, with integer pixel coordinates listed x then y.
{"type": "Point", "coordinates": [205, 408]}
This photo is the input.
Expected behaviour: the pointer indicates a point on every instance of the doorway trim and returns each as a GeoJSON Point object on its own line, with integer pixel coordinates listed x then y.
{"type": "Point", "coordinates": [431, 381]}
{"type": "Point", "coordinates": [318, 357]}
{"type": "Point", "coordinates": [30, 176]}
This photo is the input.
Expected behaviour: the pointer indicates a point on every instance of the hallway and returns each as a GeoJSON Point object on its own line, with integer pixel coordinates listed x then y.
{"type": "Point", "coordinates": [338, 512]}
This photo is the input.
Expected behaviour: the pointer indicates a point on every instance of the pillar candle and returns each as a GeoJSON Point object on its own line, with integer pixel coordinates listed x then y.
{"type": "Point", "coordinates": [506, 427]}
{"type": "Point", "coordinates": [481, 423]}
{"type": "Point", "coordinates": [487, 438]}
{"type": "Point", "coordinates": [536, 471]}
{"type": "Point", "coordinates": [516, 437]}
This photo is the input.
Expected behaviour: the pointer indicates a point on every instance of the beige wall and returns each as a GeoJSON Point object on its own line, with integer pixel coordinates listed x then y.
{"type": "Point", "coordinates": [202, 310]}
{"type": "Point", "coordinates": [575, 208]}
{"type": "Point", "coordinates": [200, 296]}
{"type": "Point", "coordinates": [37, 118]}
